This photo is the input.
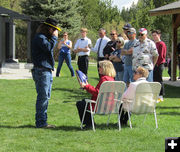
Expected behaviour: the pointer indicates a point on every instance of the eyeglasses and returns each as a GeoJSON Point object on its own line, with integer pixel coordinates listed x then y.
{"type": "Point", "coordinates": [141, 34]}
{"type": "Point", "coordinates": [112, 34]}
{"type": "Point", "coordinates": [136, 72]}
{"type": "Point", "coordinates": [130, 33]}
{"type": "Point", "coordinates": [64, 35]}
{"type": "Point", "coordinates": [118, 41]}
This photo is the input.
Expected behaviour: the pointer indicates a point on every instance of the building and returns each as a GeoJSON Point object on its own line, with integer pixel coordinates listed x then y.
{"type": "Point", "coordinates": [7, 36]}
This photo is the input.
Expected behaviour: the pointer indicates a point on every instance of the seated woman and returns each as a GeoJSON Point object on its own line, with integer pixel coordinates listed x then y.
{"type": "Point", "coordinates": [139, 76]}
{"type": "Point", "coordinates": [107, 72]}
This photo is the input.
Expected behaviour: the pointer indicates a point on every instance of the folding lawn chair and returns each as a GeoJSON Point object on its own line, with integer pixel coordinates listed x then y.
{"type": "Point", "coordinates": [144, 102]}
{"type": "Point", "coordinates": [108, 101]}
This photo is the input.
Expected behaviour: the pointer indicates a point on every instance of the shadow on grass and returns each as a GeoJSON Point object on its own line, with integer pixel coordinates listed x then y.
{"type": "Point", "coordinates": [104, 126]}
{"type": "Point", "coordinates": [169, 113]}
{"type": "Point", "coordinates": [97, 126]}
{"type": "Point", "coordinates": [178, 107]}
{"type": "Point", "coordinates": [74, 93]}
{"type": "Point", "coordinates": [16, 127]}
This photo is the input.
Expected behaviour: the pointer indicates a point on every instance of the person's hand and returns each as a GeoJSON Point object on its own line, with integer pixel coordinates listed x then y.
{"type": "Point", "coordinates": [111, 57]}
{"type": "Point", "coordinates": [113, 48]}
{"type": "Point", "coordinates": [55, 33]}
{"type": "Point", "coordinates": [82, 84]}
{"type": "Point", "coordinates": [106, 56]}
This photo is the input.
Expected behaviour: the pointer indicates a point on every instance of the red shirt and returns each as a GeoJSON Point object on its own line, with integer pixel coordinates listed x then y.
{"type": "Point", "coordinates": [161, 47]}
{"type": "Point", "coordinates": [95, 91]}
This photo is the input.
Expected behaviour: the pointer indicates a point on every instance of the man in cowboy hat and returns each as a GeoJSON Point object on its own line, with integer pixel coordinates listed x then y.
{"type": "Point", "coordinates": [42, 57]}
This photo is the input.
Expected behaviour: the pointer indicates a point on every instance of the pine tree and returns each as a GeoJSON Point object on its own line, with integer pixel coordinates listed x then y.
{"type": "Point", "coordinates": [66, 12]}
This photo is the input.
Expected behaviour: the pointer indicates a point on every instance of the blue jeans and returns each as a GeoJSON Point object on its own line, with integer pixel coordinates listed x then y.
{"type": "Point", "coordinates": [67, 57]}
{"type": "Point", "coordinates": [128, 74]}
{"type": "Point", "coordinates": [43, 81]}
{"type": "Point", "coordinates": [119, 76]}
{"type": "Point", "coordinates": [150, 76]}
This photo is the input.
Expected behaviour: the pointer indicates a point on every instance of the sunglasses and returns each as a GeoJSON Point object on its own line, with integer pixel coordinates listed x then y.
{"type": "Point", "coordinates": [130, 33]}
{"type": "Point", "coordinates": [64, 35]}
{"type": "Point", "coordinates": [118, 41]}
{"type": "Point", "coordinates": [141, 34]}
{"type": "Point", "coordinates": [136, 72]}
{"type": "Point", "coordinates": [112, 34]}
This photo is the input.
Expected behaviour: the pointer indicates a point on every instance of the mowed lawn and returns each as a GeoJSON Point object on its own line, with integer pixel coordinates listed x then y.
{"type": "Point", "coordinates": [17, 117]}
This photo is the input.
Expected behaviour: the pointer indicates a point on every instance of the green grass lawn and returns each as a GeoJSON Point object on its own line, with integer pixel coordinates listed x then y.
{"type": "Point", "coordinates": [18, 134]}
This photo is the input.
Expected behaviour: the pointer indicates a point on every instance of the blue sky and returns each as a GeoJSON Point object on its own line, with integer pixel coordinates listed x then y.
{"type": "Point", "coordinates": [123, 3]}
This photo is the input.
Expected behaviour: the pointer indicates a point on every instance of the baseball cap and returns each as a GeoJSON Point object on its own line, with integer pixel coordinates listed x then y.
{"type": "Point", "coordinates": [132, 30]}
{"type": "Point", "coordinates": [127, 26]}
{"type": "Point", "coordinates": [52, 22]}
{"type": "Point", "coordinates": [143, 30]}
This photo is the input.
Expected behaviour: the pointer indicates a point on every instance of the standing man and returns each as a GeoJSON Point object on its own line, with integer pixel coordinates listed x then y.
{"type": "Point", "coordinates": [82, 48]}
{"type": "Point", "coordinates": [126, 27]}
{"type": "Point", "coordinates": [159, 66]}
{"type": "Point", "coordinates": [127, 52]}
{"type": "Point", "coordinates": [145, 54]}
{"type": "Point", "coordinates": [111, 45]}
{"type": "Point", "coordinates": [100, 44]}
{"type": "Point", "coordinates": [42, 57]}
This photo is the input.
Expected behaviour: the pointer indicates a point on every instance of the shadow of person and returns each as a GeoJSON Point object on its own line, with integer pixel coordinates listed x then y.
{"type": "Point", "coordinates": [16, 127]}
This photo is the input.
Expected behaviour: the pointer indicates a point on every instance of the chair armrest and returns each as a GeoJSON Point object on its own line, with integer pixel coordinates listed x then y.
{"type": "Point", "coordinates": [117, 100]}
{"type": "Point", "coordinates": [90, 101]}
{"type": "Point", "coordinates": [125, 100]}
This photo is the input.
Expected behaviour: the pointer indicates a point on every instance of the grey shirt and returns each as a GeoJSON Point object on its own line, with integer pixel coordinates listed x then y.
{"type": "Point", "coordinates": [127, 46]}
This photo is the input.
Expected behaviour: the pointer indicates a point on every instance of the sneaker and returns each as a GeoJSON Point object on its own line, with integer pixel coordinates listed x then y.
{"type": "Point", "coordinates": [160, 99]}
{"type": "Point", "coordinates": [49, 126]}
{"type": "Point", "coordinates": [87, 127]}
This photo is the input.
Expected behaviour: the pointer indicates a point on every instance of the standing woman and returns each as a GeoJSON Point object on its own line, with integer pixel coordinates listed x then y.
{"type": "Point", "coordinates": [42, 57]}
{"type": "Point", "coordinates": [64, 54]}
{"type": "Point", "coordinates": [117, 59]}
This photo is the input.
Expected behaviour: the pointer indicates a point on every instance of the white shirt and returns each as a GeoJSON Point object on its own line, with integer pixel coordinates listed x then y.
{"type": "Point", "coordinates": [104, 41]}
{"type": "Point", "coordinates": [83, 43]}
{"type": "Point", "coordinates": [129, 94]}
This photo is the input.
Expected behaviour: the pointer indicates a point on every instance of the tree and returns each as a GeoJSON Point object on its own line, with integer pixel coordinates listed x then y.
{"type": "Point", "coordinates": [66, 12]}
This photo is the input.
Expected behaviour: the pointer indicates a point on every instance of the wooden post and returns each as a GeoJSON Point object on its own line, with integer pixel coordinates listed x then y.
{"type": "Point", "coordinates": [174, 48]}
{"type": "Point", "coordinates": [29, 42]}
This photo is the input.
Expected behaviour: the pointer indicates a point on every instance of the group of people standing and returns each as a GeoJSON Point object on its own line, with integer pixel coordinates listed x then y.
{"type": "Point", "coordinates": [118, 57]}
{"type": "Point", "coordinates": [133, 60]}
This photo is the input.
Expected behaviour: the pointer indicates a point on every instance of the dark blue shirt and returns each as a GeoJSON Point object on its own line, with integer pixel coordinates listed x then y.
{"type": "Point", "coordinates": [42, 51]}
{"type": "Point", "coordinates": [118, 65]}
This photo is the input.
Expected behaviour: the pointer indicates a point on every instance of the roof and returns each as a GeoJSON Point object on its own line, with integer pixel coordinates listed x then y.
{"type": "Point", "coordinates": [172, 8]}
{"type": "Point", "coordinates": [12, 14]}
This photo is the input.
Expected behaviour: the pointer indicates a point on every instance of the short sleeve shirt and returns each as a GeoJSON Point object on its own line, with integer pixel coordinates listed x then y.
{"type": "Point", "coordinates": [143, 54]}
{"type": "Point", "coordinates": [128, 57]}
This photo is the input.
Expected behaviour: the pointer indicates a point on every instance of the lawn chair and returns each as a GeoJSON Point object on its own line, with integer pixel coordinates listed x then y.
{"type": "Point", "coordinates": [108, 101]}
{"type": "Point", "coordinates": [144, 102]}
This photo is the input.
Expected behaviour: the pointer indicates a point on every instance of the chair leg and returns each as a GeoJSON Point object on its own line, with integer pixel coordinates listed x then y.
{"type": "Point", "coordinates": [144, 118]}
{"type": "Point", "coordinates": [155, 118]}
{"type": "Point", "coordinates": [83, 116]}
{"type": "Point", "coordinates": [119, 118]}
{"type": "Point", "coordinates": [108, 120]}
{"type": "Point", "coordinates": [119, 122]}
{"type": "Point", "coordinates": [129, 119]}
{"type": "Point", "coordinates": [92, 118]}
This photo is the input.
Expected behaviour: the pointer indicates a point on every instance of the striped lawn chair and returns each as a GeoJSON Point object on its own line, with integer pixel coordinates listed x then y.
{"type": "Point", "coordinates": [144, 102]}
{"type": "Point", "coordinates": [108, 101]}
